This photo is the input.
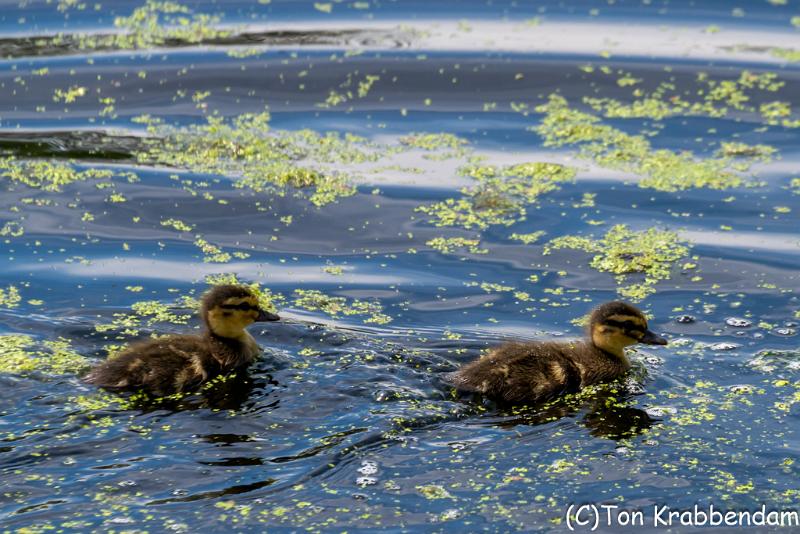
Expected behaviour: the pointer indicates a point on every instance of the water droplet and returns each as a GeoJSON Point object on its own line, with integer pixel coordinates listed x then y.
{"type": "Point", "coordinates": [366, 481]}
{"type": "Point", "coordinates": [723, 345]}
{"type": "Point", "coordinates": [450, 514]}
{"type": "Point", "coordinates": [785, 331]}
{"type": "Point", "coordinates": [368, 467]}
{"type": "Point", "coordinates": [660, 411]}
{"type": "Point", "coordinates": [685, 319]}
{"type": "Point", "coordinates": [738, 322]}
{"type": "Point", "coordinates": [741, 389]}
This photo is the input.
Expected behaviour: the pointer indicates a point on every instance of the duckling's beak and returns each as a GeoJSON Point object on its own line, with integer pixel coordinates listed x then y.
{"type": "Point", "coordinates": [264, 316]}
{"type": "Point", "coordinates": [651, 338]}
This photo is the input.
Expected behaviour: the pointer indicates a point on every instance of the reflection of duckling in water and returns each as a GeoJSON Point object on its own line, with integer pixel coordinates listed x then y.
{"type": "Point", "coordinates": [519, 372]}
{"type": "Point", "coordinates": [181, 362]}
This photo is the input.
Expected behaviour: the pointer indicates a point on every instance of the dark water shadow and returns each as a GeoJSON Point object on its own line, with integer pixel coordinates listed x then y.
{"type": "Point", "coordinates": [82, 145]}
{"type": "Point", "coordinates": [71, 44]}
{"type": "Point", "coordinates": [605, 413]}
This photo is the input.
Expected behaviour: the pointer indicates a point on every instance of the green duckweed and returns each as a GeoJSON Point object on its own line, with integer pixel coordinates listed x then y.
{"type": "Point", "coordinates": [314, 300]}
{"type": "Point", "coordinates": [433, 141]}
{"type": "Point", "coordinates": [500, 196]}
{"type": "Point", "coordinates": [434, 491]}
{"type": "Point", "coordinates": [46, 175]}
{"type": "Point", "coordinates": [262, 159]}
{"type": "Point", "coordinates": [663, 170]}
{"type": "Point", "coordinates": [791, 55]}
{"type": "Point", "coordinates": [153, 24]}
{"type": "Point", "coordinates": [716, 98]}
{"type": "Point", "coordinates": [527, 239]}
{"type": "Point", "coordinates": [9, 297]}
{"type": "Point", "coordinates": [622, 251]}
{"type": "Point", "coordinates": [449, 245]}
{"type": "Point", "coordinates": [22, 354]}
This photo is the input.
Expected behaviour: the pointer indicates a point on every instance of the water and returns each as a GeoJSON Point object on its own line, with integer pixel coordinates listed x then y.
{"type": "Point", "coordinates": [345, 423]}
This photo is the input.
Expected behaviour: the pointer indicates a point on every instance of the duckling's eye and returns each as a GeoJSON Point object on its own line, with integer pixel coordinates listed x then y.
{"type": "Point", "coordinates": [629, 328]}
{"type": "Point", "coordinates": [243, 307]}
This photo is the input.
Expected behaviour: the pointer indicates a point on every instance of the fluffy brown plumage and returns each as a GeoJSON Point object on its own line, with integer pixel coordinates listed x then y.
{"type": "Point", "coordinates": [182, 362]}
{"type": "Point", "coordinates": [525, 372]}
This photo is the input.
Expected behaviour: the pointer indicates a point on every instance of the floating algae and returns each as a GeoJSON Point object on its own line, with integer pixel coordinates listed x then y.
{"type": "Point", "coordinates": [153, 24]}
{"type": "Point", "coordinates": [45, 175]}
{"type": "Point", "coordinates": [261, 158]}
{"type": "Point", "coordinates": [623, 251]}
{"type": "Point", "coordinates": [9, 297]}
{"type": "Point", "coordinates": [313, 300]}
{"type": "Point", "coordinates": [22, 355]}
{"type": "Point", "coordinates": [663, 170]}
{"type": "Point", "coordinates": [449, 245]}
{"type": "Point", "coordinates": [719, 99]}
{"type": "Point", "coordinates": [500, 196]}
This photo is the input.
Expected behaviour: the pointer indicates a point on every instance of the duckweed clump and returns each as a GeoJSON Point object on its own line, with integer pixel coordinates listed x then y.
{"type": "Point", "coordinates": [662, 170]}
{"type": "Point", "coordinates": [145, 313]}
{"type": "Point", "coordinates": [9, 297]}
{"type": "Point", "coordinates": [153, 24]}
{"type": "Point", "coordinates": [527, 239]}
{"type": "Point", "coordinates": [433, 141]}
{"type": "Point", "coordinates": [718, 98]}
{"type": "Point", "coordinates": [46, 175]}
{"type": "Point", "coordinates": [449, 245]}
{"type": "Point", "coordinates": [623, 251]}
{"type": "Point", "coordinates": [500, 196]}
{"type": "Point", "coordinates": [22, 355]}
{"type": "Point", "coordinates": [314, 300]}
{"type": "Point", "coordinates": [262, 159]}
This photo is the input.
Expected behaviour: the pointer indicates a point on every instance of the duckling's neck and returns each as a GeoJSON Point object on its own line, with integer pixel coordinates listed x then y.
{"type": "Point", "coordinates": [233, 349]}
{"type": "Point", "coordinates": [607, 346]}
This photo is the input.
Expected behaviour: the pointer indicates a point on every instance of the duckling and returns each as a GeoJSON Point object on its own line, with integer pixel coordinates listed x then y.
{"type": "Point", "coordinates": [527, 372]}
{"type": "Point", "coordinates": [178, 363]}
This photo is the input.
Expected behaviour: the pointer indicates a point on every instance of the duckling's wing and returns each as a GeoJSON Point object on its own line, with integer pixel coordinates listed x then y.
{"type": "Point", "coordinates": [520, 372]}
{"type": "Point", "coordinates": [160, 366]}
{"type": "Point", "coordinates": [541, 378]}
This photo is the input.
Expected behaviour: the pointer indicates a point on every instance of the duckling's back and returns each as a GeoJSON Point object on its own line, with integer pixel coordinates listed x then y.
{"type": "Point", "coordinates": [523, 372]}
{"type": "Point", "coordinates": [161, 366]}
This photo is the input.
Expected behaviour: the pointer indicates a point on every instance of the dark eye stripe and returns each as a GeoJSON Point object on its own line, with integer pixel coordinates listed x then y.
{"type": "Point", "coordinates": [628, 326]}
{"type": "Point", "coordinates": [243, 307]}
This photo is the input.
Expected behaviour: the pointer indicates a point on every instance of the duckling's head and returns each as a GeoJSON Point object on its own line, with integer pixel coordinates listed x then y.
{"type": "Point", "coordinates": [615, 325]}
{"type": "Point", "coordinates": [228, 309]}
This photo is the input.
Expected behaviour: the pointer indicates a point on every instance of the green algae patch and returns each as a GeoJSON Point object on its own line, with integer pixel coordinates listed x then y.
{"type": "Point", "coordinates": [145, 313]}
{"type": "Point", "coordinates": [527, 239]}
{"type": "Point", "coordinates": [314, 300]}
{"type": "Point", "coordinates": [260, 158]}
{"type": "Point", "coordinates": [663, 170]}
{"type": "Point", "coordinates": [450, 245]}
{"type": "Point", "coordinates": [153, 24]}
{"type": "Point", "coordinates": [622, 251]}
{"type": "Point", "coordinates": [433, 141]}
{"type": "Point", "coordinates": [46, 175]}
{"type": "Point", "coordinates": [214, 254]}
{"type": "Point", "coordinates": [715, 98]}
{"type": "Point", "coordinates": [23, 355]}
{"type": "Point", "coordinates": [434, 492]}
{"type": "Point", "coordinates": [9, 297]}
{"type": "Point", "coordinates": [500, 196]}
{"type": "Point", "coordinates": [792, 55]}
